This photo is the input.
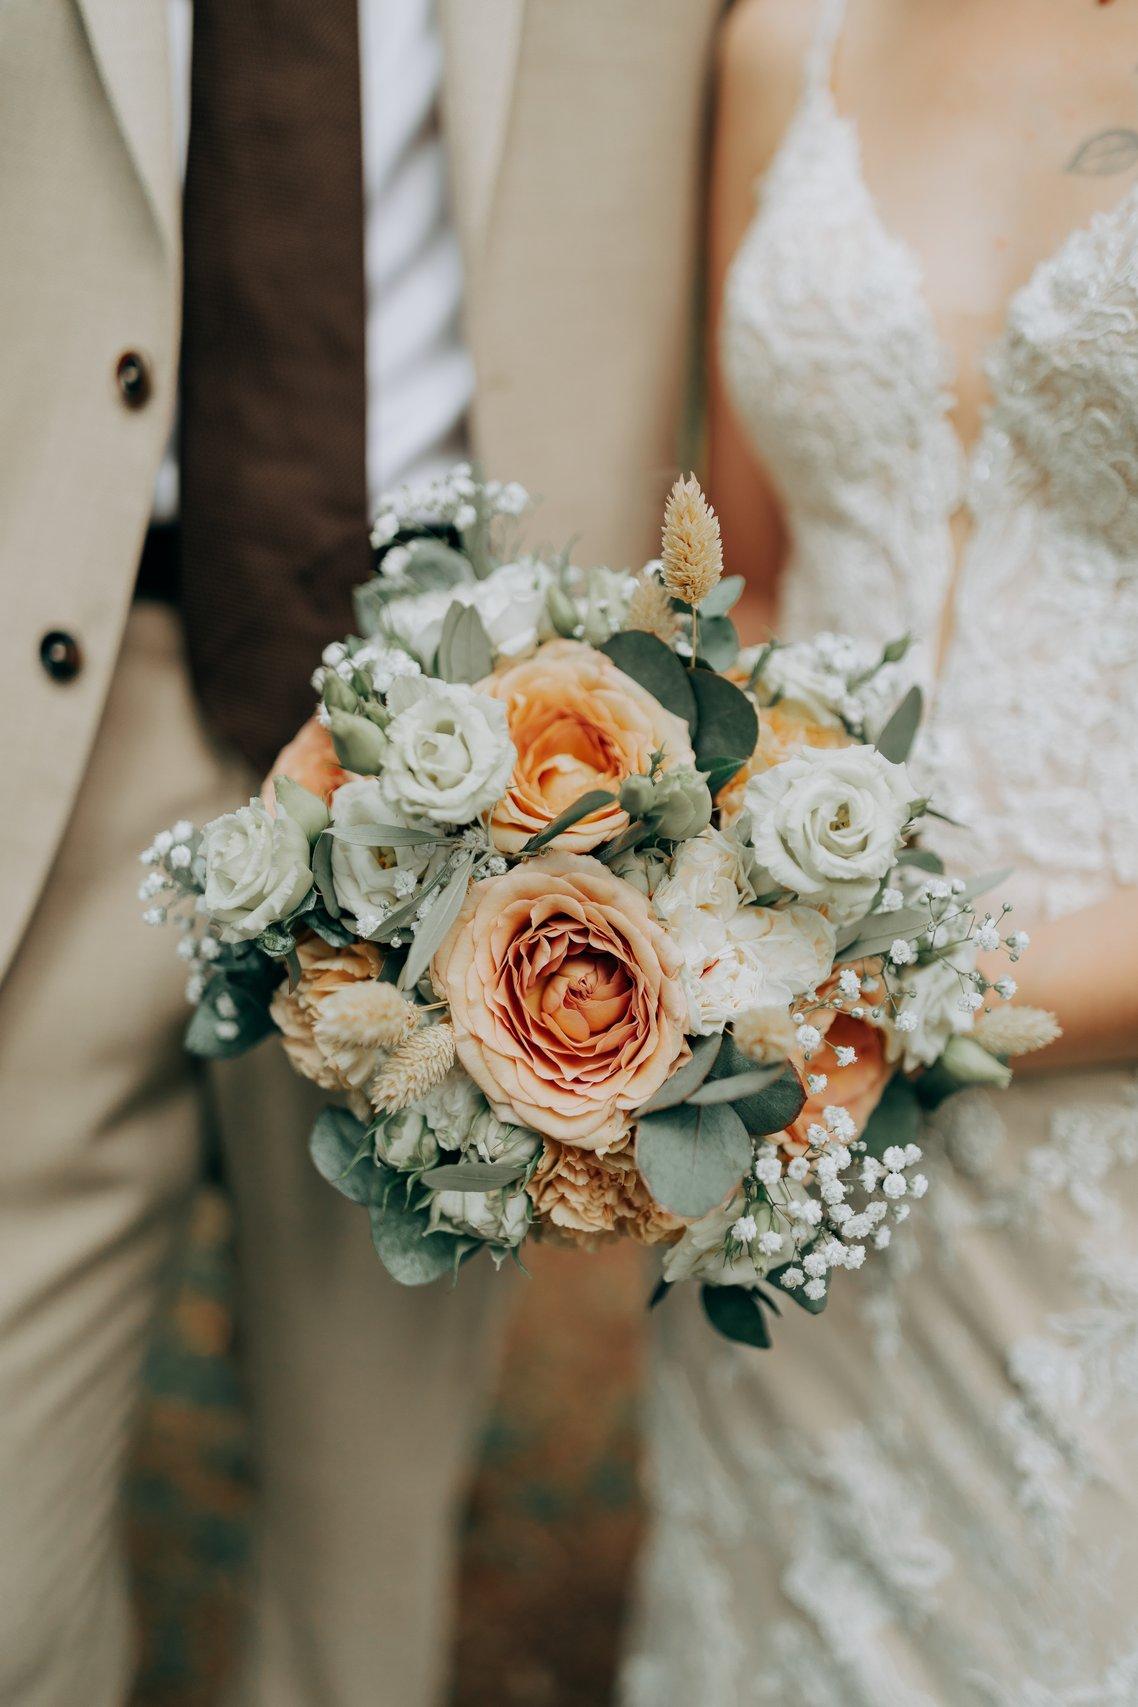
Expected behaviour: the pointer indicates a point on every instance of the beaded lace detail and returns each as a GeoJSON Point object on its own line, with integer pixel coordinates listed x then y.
{"type": "Point", "coordinates": [927, 1496]}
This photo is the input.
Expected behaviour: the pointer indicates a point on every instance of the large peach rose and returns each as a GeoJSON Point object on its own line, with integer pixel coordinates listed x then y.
{"type": "Point", "coordinates": [857, 1087]}
{"type": "Point", "coordinates": [578, 723]}
{"type": "Point", "coordinates": [565, 996]}
{"type": "Point", "coordinates": [581, 1197]}
{"type": "Point", "coordinates": [783, 731]}
{"type": "Point", "coordinates": [310, 760]}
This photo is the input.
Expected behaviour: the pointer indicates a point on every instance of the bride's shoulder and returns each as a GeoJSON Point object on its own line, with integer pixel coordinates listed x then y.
{"type": "Point", "coordinates": [762, 50]}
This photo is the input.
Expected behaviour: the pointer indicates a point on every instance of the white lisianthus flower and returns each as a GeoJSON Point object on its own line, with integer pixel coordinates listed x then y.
{"type": "Point", "coordinates": [707, 875]}
{"type": "Point", "coordinates": [449, 754]}
{"type": "Point", "coordinates": [932, 1014]}
{"type": "Point", "coordinates": [802, 676]}
{"type": "Point", "coordinates": [404, 1140]}
{"type": "Point", "coordinates": [257, 870]}
{"type": "Point", "coordinates": [510, 601]}
{"type": "Point", "coordinates": [827, 824]}
{"type": "Point", "coordinates": [499, 1217]}
{"type": "Point", "coordinates": [759, 957]}
{"type": "Point", "coordinates": [369, 882]}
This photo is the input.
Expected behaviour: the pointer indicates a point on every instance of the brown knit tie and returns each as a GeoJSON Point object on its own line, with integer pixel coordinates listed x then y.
{"type": "Point", "coordinates": [274, 491]}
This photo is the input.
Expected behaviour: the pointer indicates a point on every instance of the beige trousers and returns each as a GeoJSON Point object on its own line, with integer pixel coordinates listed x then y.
{"type": "Point", "coordinates": [364, 1394]}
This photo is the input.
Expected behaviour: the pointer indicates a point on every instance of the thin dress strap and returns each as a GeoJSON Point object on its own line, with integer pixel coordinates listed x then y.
{"type": "Point", "coordinates": [820, 58]}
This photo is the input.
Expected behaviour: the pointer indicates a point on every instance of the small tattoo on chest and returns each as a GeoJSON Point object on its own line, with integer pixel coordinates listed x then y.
{"type": "Point", "coordinates": [1105, 154]}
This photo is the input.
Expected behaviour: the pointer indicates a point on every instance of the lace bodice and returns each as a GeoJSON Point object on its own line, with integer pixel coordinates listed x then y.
{"type": "Point", "coordinates": [836, 369]}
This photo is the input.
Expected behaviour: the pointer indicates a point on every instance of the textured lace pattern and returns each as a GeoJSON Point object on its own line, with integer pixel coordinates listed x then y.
{"type": "Point", "coordinates": [927, 1497]}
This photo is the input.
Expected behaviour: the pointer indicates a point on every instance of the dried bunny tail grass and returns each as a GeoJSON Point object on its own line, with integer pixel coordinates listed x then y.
{"type": "Point", "coordinates": [765, 1034]}
{"type": "Point", "coordinates": [366, 1015]}
{"type": "Point", "coordinates": [1014, 1030]}
{"type": "Point", "coordinates": [650, 610]}
{"type": "Point", "coordinates": [691, 550]}
{"type": "Point", "coordinates": [420, 1062]}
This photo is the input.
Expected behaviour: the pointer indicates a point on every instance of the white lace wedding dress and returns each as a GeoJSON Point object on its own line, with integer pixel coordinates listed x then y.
{"type": "Point", "coordinates": [928, 1496]}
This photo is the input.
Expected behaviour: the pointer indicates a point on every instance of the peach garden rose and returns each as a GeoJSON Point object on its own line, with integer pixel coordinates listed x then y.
{"type": "Point", "coordinates": [565, 996]}
{"type": "Point", "coordinates": [578, 723]}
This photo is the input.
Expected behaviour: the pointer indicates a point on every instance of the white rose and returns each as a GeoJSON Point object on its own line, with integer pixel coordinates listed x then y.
{"type": "Point", "coordinates": [257, 869]}
{"type": "Point", "coordinates": [499, 1217]}
{"type": "Point", "coordinates": [827, 824]}
{"type": "Point", "coordinates": [510, 601]}
{"type": "Point", "coordinates": [449, 754]}
{"type": "Point", "coordinates": [404, 1140]}
{"type": "Point", "coordinates": [494, 1140]}
{"type": "Point", "coordinates": [369, 882]}
{"type": "Point", "coordinates": [707, 875]}
{"type": "Point", "coordinates": [452, 1108]}
{"type": "Point", "coordinates": [934, 1011]}
{"type": "Point", "coordinates": [760, 957]}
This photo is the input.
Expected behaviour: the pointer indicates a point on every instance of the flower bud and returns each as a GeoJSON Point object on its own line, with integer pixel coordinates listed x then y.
{"type": "Point", "coordinates": [303, 807]}
{"type": "Point", "coordinates": [970, 1063]}
{"type": "Point", "coordinates": [338, 696]}
{"type": "Point", "coordinates": [644, 868]}
{"type": "Point", "coordinates": [638, 795]}
{"type": "Point", "coordinates": [684, 805]}
{"type": "Point", "coordinates": [562, 612]}
{"type": "Point", "coordinates": [359, 744]}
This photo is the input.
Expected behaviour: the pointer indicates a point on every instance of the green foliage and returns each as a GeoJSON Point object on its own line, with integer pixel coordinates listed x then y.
{"type": "Point", "coordinates": [895, 1120]}
{"type": "Point", "coordinates": [724, 596]}
{"type": "Point", "coordinates": [656, 667]}
{"type": "Point", "coordinates": [737, 1314]}
{"type": "Point", "coordinates": [718, 640]}
{"type": "Point", "coordinates": [248, 978]}
{"type": "Point", "coordinates": [465, 653]}
{"type": "Point", "coordinates": [692, 1157]}
{"type": "Point", "coordinates": [687, 1078]}
{"type": "Point", "coordinates": [590, 802]}
{"type": "Point", "coordinates": [727, 726]}
{"type": "Point", "coordinates": [342, 1151]}
{"type": "Point", "coordinates": [437, 921]}
{"type": "Point", "coordinates": [408, 1251]}
{"type": "Point", "coordinates": [895, 741]}
{"type": "Point", "coordinates": [771, 1104]}
{"type": "Point", "coordinates": [473, 1176]}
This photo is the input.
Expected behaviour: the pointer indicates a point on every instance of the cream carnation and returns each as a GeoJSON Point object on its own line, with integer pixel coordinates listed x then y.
{"type": "Point", "coordinates": [759, 957]}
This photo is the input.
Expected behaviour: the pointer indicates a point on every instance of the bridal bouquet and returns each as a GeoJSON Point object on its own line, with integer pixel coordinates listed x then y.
{"type": "Point", "coordinates": [592, 925]}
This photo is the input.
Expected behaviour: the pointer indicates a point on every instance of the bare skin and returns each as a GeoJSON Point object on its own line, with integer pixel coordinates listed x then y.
{"type": "Point", "coordinates": [988, 131]}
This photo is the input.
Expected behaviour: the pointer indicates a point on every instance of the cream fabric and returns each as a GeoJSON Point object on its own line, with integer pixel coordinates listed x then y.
{"type": "Point", "coordinates": [575, 138]}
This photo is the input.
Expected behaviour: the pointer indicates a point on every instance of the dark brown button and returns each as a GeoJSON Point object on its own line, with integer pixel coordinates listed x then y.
{"type": "Point", "coordinates": [61, 656]}
{"type": "Point", "coordinates": [133, 376]}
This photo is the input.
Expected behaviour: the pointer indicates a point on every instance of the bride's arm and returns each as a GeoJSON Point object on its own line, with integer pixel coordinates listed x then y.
{"type": "Point", "coordinates": [1082, 968]}
{"type": "Point", "coordinates": [759, 68]}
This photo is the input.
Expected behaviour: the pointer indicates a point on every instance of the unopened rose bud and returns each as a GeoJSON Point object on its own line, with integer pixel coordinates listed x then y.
{"type": "Point", "coordinates": [638, 795]}
{"type": "Point", "coordinates": [684, 805]}
{"type": "Point", "coordinates": [644, 868]}
{"type": "Point", "coordinates": [338, 696]}
{"type": "Point", "coordinates": [360, 745]}
{"type": "Point", "coordinates": [303, 807]}
{"type": "Point", "coordinates": [971, 1064]}
{"type": "Point", "coordinates": [562, 613]}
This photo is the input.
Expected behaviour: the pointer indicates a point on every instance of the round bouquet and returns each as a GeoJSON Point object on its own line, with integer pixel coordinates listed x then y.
{"type": "Point", "coordinates": [592, 925]}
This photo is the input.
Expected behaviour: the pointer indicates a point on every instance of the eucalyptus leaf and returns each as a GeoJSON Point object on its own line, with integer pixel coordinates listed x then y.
{"type": "Point", "coordinates": [727, 726]}
{"type": "Point", "coordinates": [737, 1314]}
{"type": "Point", "coordinates": [341, 1150]}
{"type": "Point", "coordinates": [768, 1109]}
{"type": "Point", "coordinates": [718, 642]}
{"type": "Point", "coordinates": [659, 1293]}
{"type": "Point", "coordinates": [473, 1176]}
{"type": "Point", "coordinates": [692, 1157]}
{"type": "Point", "coordinates": [590, 802]}
{"type": "Point", "coordinates": [465, 652]}
{"type": "Point", "coordinates": [923, 859]}
{"type": "Point", "coordinates": [719, 773]}
{"type": "Point", "coordinates": [895, 741]}
{"type": "Point", "coordinates": [385, 835]}
{"type": "Point", "coordinates": [408, 1251]}
{"type": "Point", "coordinates": [895, 1120]}
{"type": "Point", "coordinates": [687, 1078]}
{"type": "Point", "coordinates": [735, 1087]}
{"type": "Point", "coordinates": [722, 597]}
{"type": "Point", "coordinates": [437, 921]}
{"type": "Point", "coordinates": [250, 1016]}
{"type": "Point", "coordinates": [322, 872]}
{"type": "Point", "coordinates": [656, 667]}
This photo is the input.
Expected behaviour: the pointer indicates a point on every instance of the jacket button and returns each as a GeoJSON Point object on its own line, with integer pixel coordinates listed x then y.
{"type": "Point", "coordinates": [61, 656]}
{"type": "Point", "coordinates": [132, 375]}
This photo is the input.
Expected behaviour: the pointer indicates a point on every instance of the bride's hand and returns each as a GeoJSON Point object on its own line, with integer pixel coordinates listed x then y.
{"type": "Point", "coordinates": [1082, 968]}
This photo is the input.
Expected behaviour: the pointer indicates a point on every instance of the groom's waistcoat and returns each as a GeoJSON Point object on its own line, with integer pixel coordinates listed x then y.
{"type": "Point", "coordinates": [575, 135]}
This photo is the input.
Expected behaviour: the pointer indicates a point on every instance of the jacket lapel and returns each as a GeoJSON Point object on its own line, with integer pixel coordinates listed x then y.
{"type": "Point", "coordinates": [481, 45]}
{"type": "Point", "coordinates": [130, 46]}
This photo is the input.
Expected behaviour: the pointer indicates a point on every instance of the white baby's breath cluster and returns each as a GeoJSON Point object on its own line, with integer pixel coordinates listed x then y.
{"type": "Point", "coordinates": [777, 984]}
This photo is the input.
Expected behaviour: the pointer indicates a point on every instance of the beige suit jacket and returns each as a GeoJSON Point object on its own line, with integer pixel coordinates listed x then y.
{"type": "Point", "coordinates": [576, 131]}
